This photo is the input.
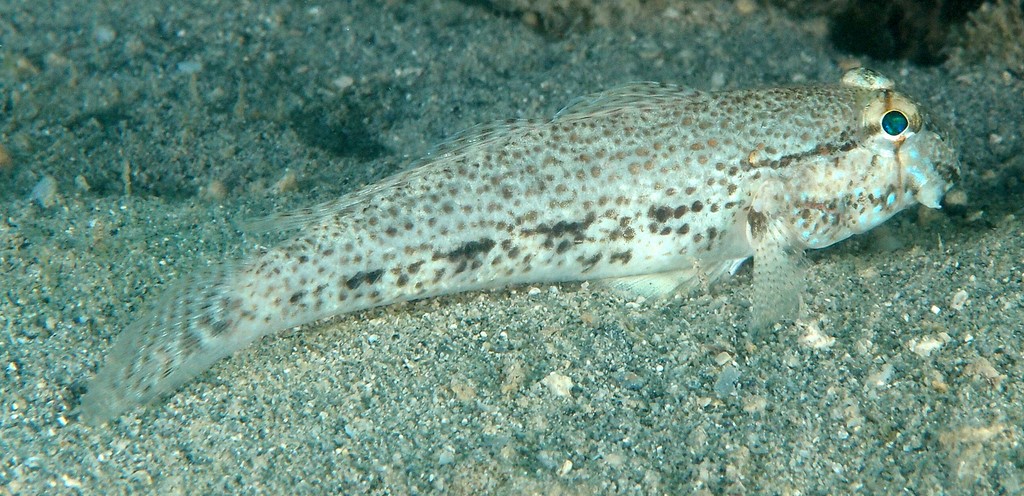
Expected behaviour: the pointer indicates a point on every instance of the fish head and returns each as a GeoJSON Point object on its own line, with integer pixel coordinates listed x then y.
{"type": "Point", "coordinates": [890, 158]}
{"type": "Point", "coordinates": [908, 152]}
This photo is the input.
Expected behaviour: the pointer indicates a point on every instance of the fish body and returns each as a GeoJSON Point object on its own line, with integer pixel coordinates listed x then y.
{"type": "Point", "coordinates": [648, 187]}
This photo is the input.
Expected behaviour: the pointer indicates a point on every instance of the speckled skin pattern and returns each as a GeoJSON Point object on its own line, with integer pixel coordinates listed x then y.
{"type": "Point", "coordinates": [649, 187]}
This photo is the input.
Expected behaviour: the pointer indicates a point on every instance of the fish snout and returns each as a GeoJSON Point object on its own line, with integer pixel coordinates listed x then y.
{"type": "Point", "coordinates": [930, 167]}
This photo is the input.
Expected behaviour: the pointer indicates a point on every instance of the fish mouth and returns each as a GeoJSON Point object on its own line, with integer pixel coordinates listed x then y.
{"type": "Point", "coordinates": [929, 166]}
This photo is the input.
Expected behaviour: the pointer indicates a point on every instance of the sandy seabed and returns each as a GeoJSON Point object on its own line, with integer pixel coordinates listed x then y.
{"type": "Point", "coordinates": [137, 138]}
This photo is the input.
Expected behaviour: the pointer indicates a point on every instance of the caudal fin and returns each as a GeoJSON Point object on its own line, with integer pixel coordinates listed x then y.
{"type": "Point", "coordinates": [192, 326]}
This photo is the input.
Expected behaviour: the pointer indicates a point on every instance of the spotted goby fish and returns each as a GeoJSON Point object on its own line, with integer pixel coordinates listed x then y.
{"type": "Point", "coordinates": [649, 187]}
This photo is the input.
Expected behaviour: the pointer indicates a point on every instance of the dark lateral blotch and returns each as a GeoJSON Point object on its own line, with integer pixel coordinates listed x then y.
{"type": "Point", "coordinates": [471, 250]}
{"type": "Point", "coordinates": [361, 277]}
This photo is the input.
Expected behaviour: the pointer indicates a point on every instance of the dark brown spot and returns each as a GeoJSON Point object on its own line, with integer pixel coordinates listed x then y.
{"type": "Point", "coordinates": [361, 277]}
{"type": "Point", "coordinates": [563, 246]}
{"type": "Point", "coordinates": [469, 251]}
{"type": "Point", "coordinates": [590, 262]}
{"type": "Point", "coordinates": [662, 214]}
{"type": "Point", "coordinates": [622, 257]}
{"type": "Point", "coordinates": [219, 326]}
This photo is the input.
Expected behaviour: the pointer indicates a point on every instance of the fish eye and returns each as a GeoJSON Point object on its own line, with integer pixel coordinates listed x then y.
{"type": "Point", "coordinates": [894, 123]}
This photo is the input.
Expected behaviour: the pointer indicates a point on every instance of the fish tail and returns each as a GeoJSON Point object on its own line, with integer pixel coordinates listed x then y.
{"type": "Point", "coordinates": [192, 326]}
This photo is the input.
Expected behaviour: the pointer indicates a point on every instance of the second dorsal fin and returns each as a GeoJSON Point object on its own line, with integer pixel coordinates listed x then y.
{"type": "Point", "coordinates": [640, 95]}
{"type": "Point", "coordinates": [637, 95]}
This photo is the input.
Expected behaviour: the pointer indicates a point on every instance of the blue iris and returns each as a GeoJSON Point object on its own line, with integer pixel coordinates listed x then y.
{"type": "Point", "coordinates": [894, 123]}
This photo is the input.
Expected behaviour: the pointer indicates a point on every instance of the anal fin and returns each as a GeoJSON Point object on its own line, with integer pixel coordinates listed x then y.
{"type": "Point", "coordinates": [665, 284]}
{"type": "Point", "coordinates": [650, 286]}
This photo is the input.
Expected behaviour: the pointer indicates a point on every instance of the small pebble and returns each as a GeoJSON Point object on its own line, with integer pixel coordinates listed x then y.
{"type": "Point", "coordinates": [104, 34]}
{"type": "Point", "coordinates": [924, 347]}
{"type": "Point", "coordinates": [6, 162]}
{"type": "Point", "coordinates": [56, 60]}
{"type": "Point", "coordinates": [45, 192]}
{"type": "Point", "coordinates": [447, 456]}
{"type": "Point", "coordinates": [717, 80]}
{"type": "Point", "coordinates": [959, 300]}
{"type": "Point", "coordinates": [559, 385]}
{"type": "Point", "coordinates": [189, 67]}
{"type": "Point", "coordinates": [725, 385]}
{"type": "Point", "coordinates": [881, 377]}
{"type": "Point", "coordinates": [33, 463]}
{"type": "Point", "coordinates": [71, 482]}
{"type": "Point", "coordinates": [288, 182]}
{"type": "Point", "coordinates": [633, 381]}
{"type": "Point", "coordinates": [82, 183]}
{"type": "Point", "coordinates": [957, 198]}
{"type": "Point", "coordinates": [814, 338]}
{"type": "Point", "coordinates": [746, 7]}
{"type": "Point", "coordinates": [755, 404]}
{"type": "Point", "coordinates": [343, 82]}
{"type": "Point", "coordinates": [565, 468]}
{"type": "Point", "coordinates": [982, 368]}
{"type": "Point", "coordinates": [215, 190]}
{"type": "Point", "coordinates": [723, 358]}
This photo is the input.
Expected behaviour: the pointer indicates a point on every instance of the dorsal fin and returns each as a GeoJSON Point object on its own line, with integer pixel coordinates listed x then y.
{"type": "Point", "coordinates": [637, 95]}
{"type": "Point", "coordinates": [284, 221]}
{"type": "Point", "coordinates": [476, 136]}
{"type": "Point", "coordinates": [460, 143]}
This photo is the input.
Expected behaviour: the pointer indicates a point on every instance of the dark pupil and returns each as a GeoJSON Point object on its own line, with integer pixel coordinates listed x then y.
{"type": "Point", "coordinates": [894, 122]}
